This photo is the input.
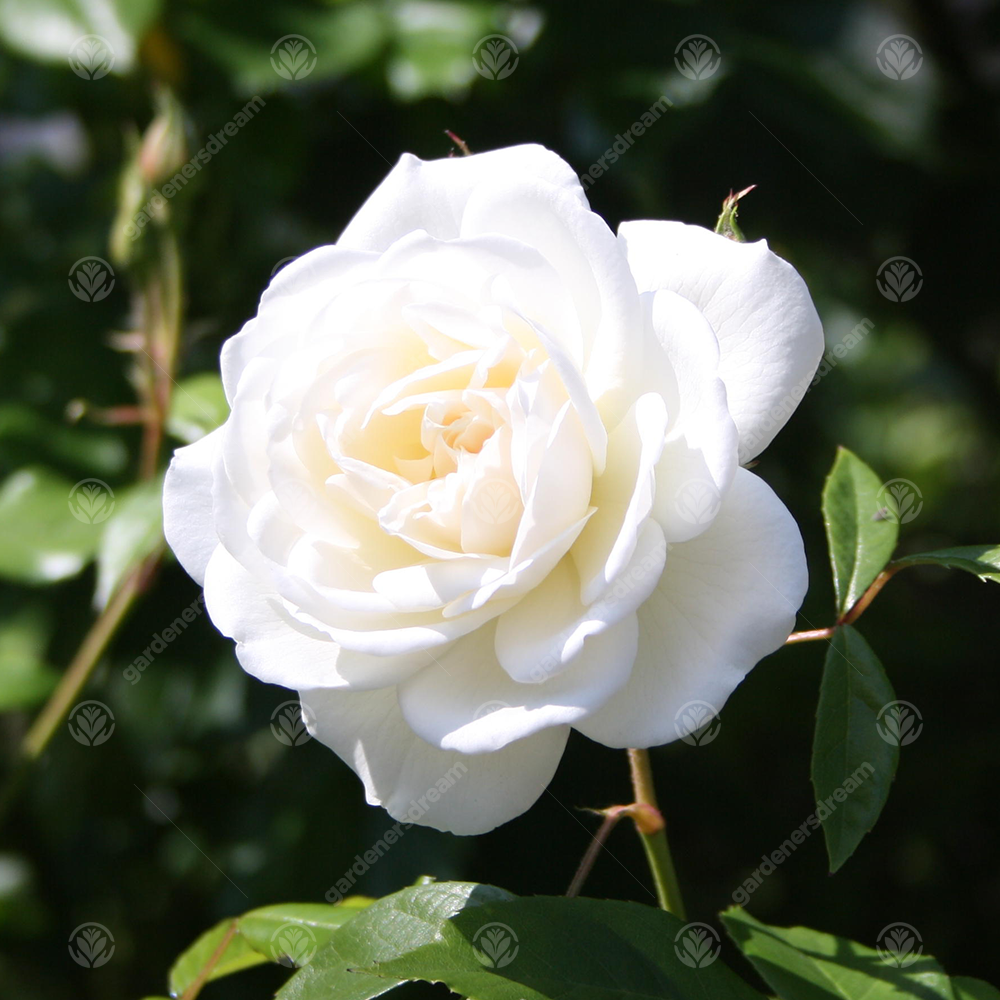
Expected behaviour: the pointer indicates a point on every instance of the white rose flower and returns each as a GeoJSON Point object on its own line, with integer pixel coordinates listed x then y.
{"type": "Point", "coordinates": [481, 481]}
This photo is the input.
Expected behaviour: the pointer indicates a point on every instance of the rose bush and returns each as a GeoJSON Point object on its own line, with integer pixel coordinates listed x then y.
{"type": "Point", "coordinates": [481, 482]}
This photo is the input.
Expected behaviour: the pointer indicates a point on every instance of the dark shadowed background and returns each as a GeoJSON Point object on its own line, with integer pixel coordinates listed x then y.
{"type": "Point", "coordinates": [193, 810]}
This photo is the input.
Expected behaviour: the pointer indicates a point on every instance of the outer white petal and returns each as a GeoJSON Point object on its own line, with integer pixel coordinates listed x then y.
{"type": "Point", "coordinates": [418, 783]}
{"type": "Point", "coordinates": [725, 600]}
{"type": "Point", "coordinates": [432, 195]}
{"type": "Point", "coordinates": [465, 701]}
{"type": "Point", "coordinates": [769, 333]}
{"type": "Point", "coordinates": [289, 305]}
{"type": "Point", "coordinates": [276, 648]}
{"type": "Point", "coordinates": [187, 504]}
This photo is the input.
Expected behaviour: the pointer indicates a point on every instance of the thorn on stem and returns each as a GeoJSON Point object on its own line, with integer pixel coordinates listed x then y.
{"type": "Point", "coordinates": [459, 142]}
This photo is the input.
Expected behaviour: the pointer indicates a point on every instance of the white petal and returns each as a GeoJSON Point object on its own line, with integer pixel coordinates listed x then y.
{"type": "Point", "coordinates": [623, 496]}
{"type": "Point", "coordinates": [289, 305]}
{"type": "Point", "coordinates": [726, 599]}
{"type": "Point", "coordinates": [592, 265]}
{"type": "Point", "coordinates": [769, 333]}
{"type": "Point", "coordinates": [276, 648]}
{"type": "Point", "coordinates": [187, 504]}
{"type": "Point", "coordinates": [699, 456]}
{"type": "Point", "coordinates": [465, 701]}
{"type": "Point", "coordinates": [417, 783]}
{"type": "Point", "coordinates": [560, 495]}
{"type": "Point", "coordinates": [544, 632]}
{"type": "Point", "coordinates": [432, 195]}
{"type": "Point", "coordinates": [429, 585]}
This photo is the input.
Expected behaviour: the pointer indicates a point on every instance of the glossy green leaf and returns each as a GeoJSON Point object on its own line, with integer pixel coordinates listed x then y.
{"type": "Point", "coordinates": [966, 988]}
{"type": "Point", "coordinates": [25, 678]}
{"type": "Point", "coordinates": [981, 560]}
{"type": "Point", "coordinates": [132, 532]}
{"type": "Point", "coordinates": [803, 964]}
{"type": "Point", "coordinates": [479, 941]}
{"type": "Point", "coordinates": [41, 538]}
{"type": "Point", "coordinates": [296, 930]}
{"type": "Point", "coordinates": [198, 405]}
{"type": "Point", "coordinates": [852, 764]}
{"type": "Point", "coordinates": [266, 934]}
{"type": "Point", "coordinates": [861, 541]}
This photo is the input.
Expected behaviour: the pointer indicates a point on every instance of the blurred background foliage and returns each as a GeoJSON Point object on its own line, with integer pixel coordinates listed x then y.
{"type": "Point", "coordinates": [193, 810]}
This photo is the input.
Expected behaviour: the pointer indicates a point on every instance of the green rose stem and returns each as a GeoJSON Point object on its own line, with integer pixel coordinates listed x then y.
{"type": "Point", "coordinates": [68, 690]}
{"type": "Point", "coordinates": [653, 834]}
{"type": "Point", "coordinates": [854, 613]}
{"type": "Point", "coordinates": [161, 306]}
{"type": "Point", "coordinates": [161, 309]}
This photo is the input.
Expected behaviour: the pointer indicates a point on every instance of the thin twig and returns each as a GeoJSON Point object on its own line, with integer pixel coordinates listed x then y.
{"type": "Point", "coordinates": [854, 613]}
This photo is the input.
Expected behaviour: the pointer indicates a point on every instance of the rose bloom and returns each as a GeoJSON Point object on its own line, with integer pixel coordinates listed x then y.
{"type": "Point", "coordinates": [481, 482]}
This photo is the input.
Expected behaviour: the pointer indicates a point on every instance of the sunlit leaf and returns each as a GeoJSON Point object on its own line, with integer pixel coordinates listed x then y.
{"type": "Point", "coordinates": [861, 541]}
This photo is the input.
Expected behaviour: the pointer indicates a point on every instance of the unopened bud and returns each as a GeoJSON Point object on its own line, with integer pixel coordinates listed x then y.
{"type": "Point", "coordinates": [164, 147]}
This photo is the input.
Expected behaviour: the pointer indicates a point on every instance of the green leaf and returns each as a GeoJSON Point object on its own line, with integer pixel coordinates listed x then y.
{"type": "Point", "coordinates": [130, 534]}
{"type": "Point", "coordinates": [982, 560]}
{"type": "Point", "coordinates": [26, 431]}
{"type": "Point", "coordinates": [25, 678]}
{"type": "Point", "coordinates": [41, 538]}
{"type": "Point", "coordinates": [237, 956]}
{"type": "Point", "coordinates": [803, 964]}
{"type": "Point", "coordinates": [341, 40]}
{"type": "Point", "coordinates": [861, 542]}
{"type": "Point", "coordinates": [297, 930]}
{"type": "Point", "coordinates": [198, 405]}
{"type": "Point", "coordinates": [966, 988]}
{"type": "Point", "coordinates": [852, 765]}
{"type": "Point", "coordinates": [479, 941]}
{"type": "Point", "coordinates": [258, 938]}
{"type": "Point", "coordinates": [48, 30]}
